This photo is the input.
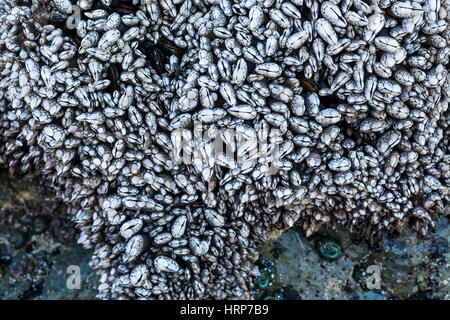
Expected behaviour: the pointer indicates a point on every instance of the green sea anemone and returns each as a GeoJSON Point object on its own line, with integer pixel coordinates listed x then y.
{"type": "Point", "coordinates": [329, 248]}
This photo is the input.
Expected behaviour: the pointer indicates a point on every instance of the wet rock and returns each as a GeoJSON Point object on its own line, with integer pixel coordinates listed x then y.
{"type": "Point", "coordinates": [410, 266]}
{"type": "Point", "coordinates": [37, 247]}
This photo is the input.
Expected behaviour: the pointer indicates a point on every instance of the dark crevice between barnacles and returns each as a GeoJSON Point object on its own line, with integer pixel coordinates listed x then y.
{"type": "Point", "coordinates": [305, 12]}
{"type": "Point", "coordinates": [330, 101]}
{"type": "Point", "coordinates": [23, 2]}
{"type": "Point", "coordinates": [118, 5]}
{"type": "Point", "coordinates": [113, 73]}
{"type": "Point", "coordinates": [169, 48]}
{"type": "Point", "coordinates": [308, 85]}
{"type": "Point", "coordinates": [370, 234]}
{"type": "Point", "coordinates": [60, 21]}
{"type": "Point", "coordinates": [44, 15]}
{"type": "Point", "coordinates": [350, 130]}
{"type": "Point", "coordinates": [41, 14]}
{"type": "Point", "coordinates": [154, 56]}
{"type": "Point", "coordinates": [158, 54]}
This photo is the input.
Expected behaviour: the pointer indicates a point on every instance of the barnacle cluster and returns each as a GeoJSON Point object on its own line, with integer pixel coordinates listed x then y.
{"type": "Point", "coordinates": [329, 112]}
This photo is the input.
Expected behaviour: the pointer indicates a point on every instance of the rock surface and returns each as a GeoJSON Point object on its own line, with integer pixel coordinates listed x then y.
{"type": "Point", "coordinates": [411, 267]}
{"type": "Point", "coordinates": [37, 245]}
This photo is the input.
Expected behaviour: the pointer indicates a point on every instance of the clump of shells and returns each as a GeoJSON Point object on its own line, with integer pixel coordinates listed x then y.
{"type": "Point", "coordinates": [99, 98]}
